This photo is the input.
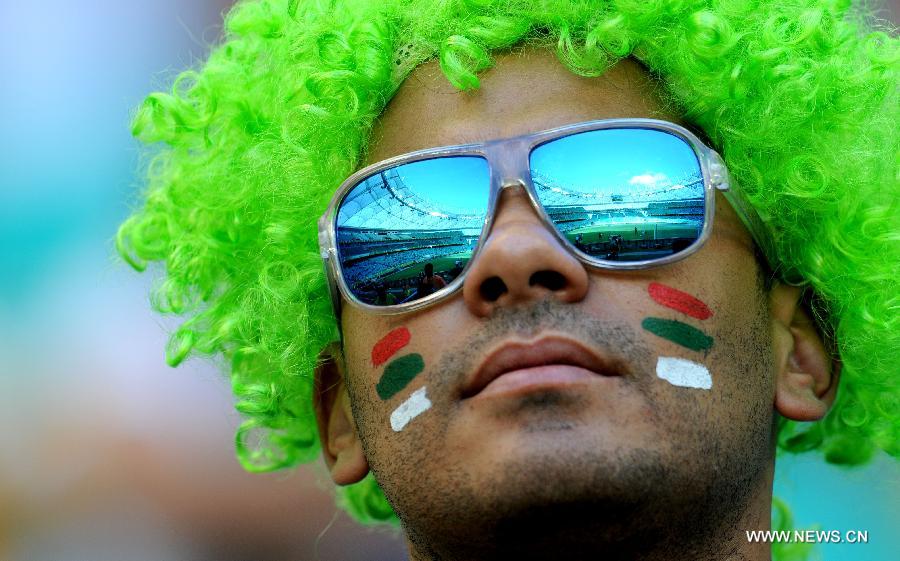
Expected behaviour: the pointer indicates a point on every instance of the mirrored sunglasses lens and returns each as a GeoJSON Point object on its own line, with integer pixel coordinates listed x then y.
{"type": "Point", "coordinates": [622, 194]}
{"type": "Point", "coordinates": [408, 231]}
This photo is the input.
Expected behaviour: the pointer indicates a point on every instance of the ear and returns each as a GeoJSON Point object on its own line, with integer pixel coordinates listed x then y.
{"type": "Point", "coordinates": [806, 376]}
{"type": "Point", "coordinates": [341, 447]}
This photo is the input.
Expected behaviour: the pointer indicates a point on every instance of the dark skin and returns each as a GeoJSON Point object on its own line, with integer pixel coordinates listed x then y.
{"type": "Point", "coordinates": [620, 466]}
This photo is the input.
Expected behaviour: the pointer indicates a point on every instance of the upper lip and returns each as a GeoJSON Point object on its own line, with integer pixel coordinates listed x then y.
{"type": "Point", "coordinates": [517, 355]}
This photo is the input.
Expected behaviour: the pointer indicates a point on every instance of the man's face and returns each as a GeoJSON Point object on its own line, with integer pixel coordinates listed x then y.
{"type": "Point", "coordinates": [544, 446]}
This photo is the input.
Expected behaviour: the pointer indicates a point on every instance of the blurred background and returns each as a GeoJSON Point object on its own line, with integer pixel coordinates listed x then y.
{"type": "Point", "coordinates": [105, 452]}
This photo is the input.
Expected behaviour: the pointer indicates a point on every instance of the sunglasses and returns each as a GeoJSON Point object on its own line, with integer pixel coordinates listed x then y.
{"type": "Point", "coordinates": [619, 194]}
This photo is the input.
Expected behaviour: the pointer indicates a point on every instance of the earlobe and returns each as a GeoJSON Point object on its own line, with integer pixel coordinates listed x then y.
{"type": "Point", "coordinates": [341, 447]}
{"type": "Point", "coordinates": [806, 374]}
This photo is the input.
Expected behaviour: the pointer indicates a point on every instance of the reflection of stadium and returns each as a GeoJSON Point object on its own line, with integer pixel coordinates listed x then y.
{"type": "Point", "coordinates": [387, 231]}
{"type": "Point", "coordinates": [638, 222]}
{"type": "Point", "coordinates": [672, 202]}
{"type": "Point", "coordinates": [376, 255]}
{"type": "Point", "coordinates": [386, 201]}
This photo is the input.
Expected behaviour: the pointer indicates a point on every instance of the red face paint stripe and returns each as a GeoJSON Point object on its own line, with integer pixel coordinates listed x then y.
{"type": "Point", "coordinates": [678, 300]}
{"type": "Point", "coordinates": [389, 344]}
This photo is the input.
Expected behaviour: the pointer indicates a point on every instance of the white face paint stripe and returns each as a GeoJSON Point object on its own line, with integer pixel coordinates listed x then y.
{"type": "Point", "coordinates": [415, 405]}
{"type": "Point", "coordinates": [682, 372]}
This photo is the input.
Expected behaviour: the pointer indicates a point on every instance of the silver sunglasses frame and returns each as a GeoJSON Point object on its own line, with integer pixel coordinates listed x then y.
{"type": "Point", "coordinates": [508, 164]}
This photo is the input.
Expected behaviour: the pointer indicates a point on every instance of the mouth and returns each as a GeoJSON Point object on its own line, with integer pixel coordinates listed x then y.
{"type": "Point", "coordinates": [544, 363]}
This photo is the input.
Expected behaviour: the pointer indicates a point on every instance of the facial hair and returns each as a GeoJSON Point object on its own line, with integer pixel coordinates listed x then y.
{"type": "Point", "coordinates": [645, 501]}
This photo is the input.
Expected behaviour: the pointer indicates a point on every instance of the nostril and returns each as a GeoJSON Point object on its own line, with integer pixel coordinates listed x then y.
{"type": "Point", "coordinates": [551, 280]}
{"type": "Point", "coordinates": [492, 288]}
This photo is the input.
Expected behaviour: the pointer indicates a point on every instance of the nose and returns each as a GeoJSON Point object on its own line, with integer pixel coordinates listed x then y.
{"type": "Point", "coordinates": [521, 261]}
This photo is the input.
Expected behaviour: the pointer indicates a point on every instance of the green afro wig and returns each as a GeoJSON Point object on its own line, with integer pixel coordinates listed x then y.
{"type": "Point", "coordinates": [799, 96]}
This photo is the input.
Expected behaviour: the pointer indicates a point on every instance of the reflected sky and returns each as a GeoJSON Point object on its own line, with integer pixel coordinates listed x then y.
{"type": "Point", "coordinates": [457, 185]}
{"type": "Point", "coordinates": [633, 163]}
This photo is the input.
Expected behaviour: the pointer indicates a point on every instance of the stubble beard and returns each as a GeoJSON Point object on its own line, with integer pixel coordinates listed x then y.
{"type": "Point", "coordinates": [675, 501]}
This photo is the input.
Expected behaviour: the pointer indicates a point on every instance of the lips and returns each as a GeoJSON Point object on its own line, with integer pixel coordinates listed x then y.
{"type": "Point", "coordinates": [524, 358]}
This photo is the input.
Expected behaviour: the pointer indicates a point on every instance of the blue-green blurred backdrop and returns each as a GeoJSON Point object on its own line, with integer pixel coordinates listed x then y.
{"type": "Point", "coordinates": [106, 453]}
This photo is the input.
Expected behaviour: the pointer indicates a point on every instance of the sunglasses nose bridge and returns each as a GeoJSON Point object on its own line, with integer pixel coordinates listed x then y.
{"type": "Point", "coordinates": [509, 160]}
{"type": "Point", "coordinates": [509, 167]}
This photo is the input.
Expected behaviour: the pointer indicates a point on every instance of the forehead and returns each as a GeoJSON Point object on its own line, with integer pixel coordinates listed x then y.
{"type": "Point", "coordinates": [526, 91]}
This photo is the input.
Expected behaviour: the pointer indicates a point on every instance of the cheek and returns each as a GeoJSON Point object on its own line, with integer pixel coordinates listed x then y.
{"type": "Point", "coordinates": [713, 369]}
{"type": "Point", "coordinates": [688, 332]}
{"type": "Point", "coordinates": [743, 330]}
{"type": "Point", "coordinates": [389, 345]}
{"type": "Point", "coordinates": [385, 373]}
{"type": "Point", "coordinates": [704, 345]}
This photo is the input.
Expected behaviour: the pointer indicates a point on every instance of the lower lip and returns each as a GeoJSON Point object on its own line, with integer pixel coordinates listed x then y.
{"type": "Point", "coordinates": [538, 378]}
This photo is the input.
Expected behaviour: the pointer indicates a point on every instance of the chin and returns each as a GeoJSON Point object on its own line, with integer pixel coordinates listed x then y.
{"type": "Point", "coordinates": [526, 503]}
{"type": "Point", "coordinates": [558, 469]}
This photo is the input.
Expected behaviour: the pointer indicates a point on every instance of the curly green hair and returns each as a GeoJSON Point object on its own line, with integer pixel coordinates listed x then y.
{"type": "Point", "coordinates": [800, 96]}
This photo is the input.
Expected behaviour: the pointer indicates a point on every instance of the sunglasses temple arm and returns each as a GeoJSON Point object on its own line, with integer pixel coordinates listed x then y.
{"type": "Point", "coordinates": [748, 215]}
{"type": "Point", "coordinates": [754, 224]}
{"type": "Point", "coordinates": [327, 252]}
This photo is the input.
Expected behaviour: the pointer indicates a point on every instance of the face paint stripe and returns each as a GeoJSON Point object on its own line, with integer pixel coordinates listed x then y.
{"type": "Point", "coordinates": [678, 300]}
{"type": "Point", "coordinates": [416, 404]}
{"type": "Point", "coordinates": [679, 333]}
{"type": "Point", "coordinates": [398, 374]}
{"type": "Point", "coordinates": [684, 373]}
{"type": "Point", "coordinates": [389, 345]}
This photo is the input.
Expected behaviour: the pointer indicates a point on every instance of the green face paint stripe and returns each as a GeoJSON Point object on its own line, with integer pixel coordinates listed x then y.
{"type": "Point", "coordinates": [398, 373]}
{"type": "Point", "coordinates": [679, 333]}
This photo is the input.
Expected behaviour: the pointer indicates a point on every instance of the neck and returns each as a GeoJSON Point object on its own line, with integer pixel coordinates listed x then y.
{"type": "Point", "coordinates": [589, 533]}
